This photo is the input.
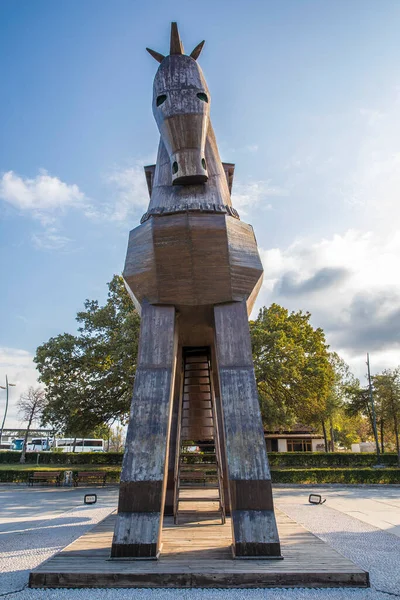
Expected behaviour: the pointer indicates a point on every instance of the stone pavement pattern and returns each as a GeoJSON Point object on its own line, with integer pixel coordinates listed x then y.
{"type": "Point", "coordinates": [362, 523]}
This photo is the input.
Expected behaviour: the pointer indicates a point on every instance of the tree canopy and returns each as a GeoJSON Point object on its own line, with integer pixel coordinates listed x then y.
{"type": "Point", "coordinates": [386, 388]}
{"type": "Point", "coordinates": [89, 376]}
{"type": "Point", "coordinates": [293, 371]}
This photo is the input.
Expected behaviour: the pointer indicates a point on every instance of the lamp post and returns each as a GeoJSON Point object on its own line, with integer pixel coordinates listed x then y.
{"type": "Point", "coordinates": [5, 412]}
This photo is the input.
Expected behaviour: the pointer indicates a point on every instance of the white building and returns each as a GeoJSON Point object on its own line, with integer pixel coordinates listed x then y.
{"type": "Point", "coordinates": [300, 439]}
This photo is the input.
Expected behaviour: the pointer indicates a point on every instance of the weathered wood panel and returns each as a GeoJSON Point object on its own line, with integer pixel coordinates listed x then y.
{"type": "Point", "coordinates": [193, 259]}
{"type": "Point", "coordinates": [142, 490]}
{"type": "Point", "coordinates": [245, 262]}
{"type": "Point", "coordinates": [253, 520]}
{"type": "Point", "coordinates": [172, 446]}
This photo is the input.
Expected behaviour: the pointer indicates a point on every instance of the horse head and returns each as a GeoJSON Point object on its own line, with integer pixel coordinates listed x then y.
{"type": "Point", "coordinates": [181, 107]}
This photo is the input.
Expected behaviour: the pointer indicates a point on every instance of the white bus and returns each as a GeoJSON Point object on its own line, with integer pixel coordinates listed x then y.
{"type": "Point", "coordinates": [81, 445]}
{"type": "Point", "coordinates": [5, 445]}
{"type": "Point", "coordinates": [39, 445]}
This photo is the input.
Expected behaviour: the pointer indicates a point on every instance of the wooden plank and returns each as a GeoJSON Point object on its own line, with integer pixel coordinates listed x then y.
{"type": "Point", "coordinates": [249, 479]}
{"type": "Point", "coordinates": [197, 553]}
{"type": "Point", "coordinates": [143, 481]}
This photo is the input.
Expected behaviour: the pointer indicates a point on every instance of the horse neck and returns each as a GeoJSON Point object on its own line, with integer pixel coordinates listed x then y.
{"type": "Point", "coordinates": [214, 191]}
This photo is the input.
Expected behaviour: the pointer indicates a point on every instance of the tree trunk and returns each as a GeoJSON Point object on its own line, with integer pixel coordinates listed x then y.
{"type": "Point", "coordinates": [23, 453]}
{"type": "Point", "coordinates": [332, 436]}
{"type": "Point", "coordinates": [325, 436]}
{"type": "Point", "coordinates": [396, 433]}
{"type": "Point", "coordinates": [382, 437]}
{"type": "Point", "coordinates": [74, 445]}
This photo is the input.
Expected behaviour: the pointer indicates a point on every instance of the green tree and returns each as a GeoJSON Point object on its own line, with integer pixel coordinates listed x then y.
{"type": "Point", "coordinates": [350, 429]}
{"type": "Point", "coordinates": [334, 405]}
{"type": "Point", "coordinates": [359, 403]}
{"type": "Point", "coordinates": [293, 371]}
{"type": "Point", "coordinates": [89, 376]}
{"type": "Point", "coordinates": [387, 392]}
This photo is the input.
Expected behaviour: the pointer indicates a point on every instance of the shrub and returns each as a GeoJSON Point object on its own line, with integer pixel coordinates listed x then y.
{"type": "Point", "coordinates": [294, 476]}
{"type": "Point", "coordinates": [22, 476]}
{"type": "Point", "coordinates": [63, 458]}
{"type": "Point", "coordinates": [332, 459]}
{"type": "Point", "coordinates": [365, 476]}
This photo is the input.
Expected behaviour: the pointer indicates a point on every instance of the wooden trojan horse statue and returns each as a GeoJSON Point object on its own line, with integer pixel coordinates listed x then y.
{"type": "Point", "coordinates": [194, 271]}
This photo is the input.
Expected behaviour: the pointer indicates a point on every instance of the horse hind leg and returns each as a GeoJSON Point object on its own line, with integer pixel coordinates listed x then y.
{"type": "Point", "coordinates": [254, 527]}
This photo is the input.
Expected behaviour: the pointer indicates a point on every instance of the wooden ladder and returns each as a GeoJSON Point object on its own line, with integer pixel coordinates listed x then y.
{"type": "Point", "coordinates": [198, 467]}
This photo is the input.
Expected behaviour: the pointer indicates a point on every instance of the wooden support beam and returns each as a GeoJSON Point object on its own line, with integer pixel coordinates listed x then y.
{"type": "Point", "coordinates": [142, 490]}
{"type": "Point", "coordinates": [173, 442]}
{"type": "Point", "coordinates": [253, 520]}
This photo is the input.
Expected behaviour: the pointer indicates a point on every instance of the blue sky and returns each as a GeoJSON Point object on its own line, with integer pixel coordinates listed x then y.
{"type": "Point", "coordinates": [305, 100]}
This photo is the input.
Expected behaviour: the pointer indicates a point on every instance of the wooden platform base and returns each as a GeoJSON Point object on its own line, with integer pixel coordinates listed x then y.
{"type": "Point", "coordinates": [197, 554]}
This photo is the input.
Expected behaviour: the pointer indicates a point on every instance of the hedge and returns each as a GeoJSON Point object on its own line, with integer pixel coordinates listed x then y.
{"type": "Point", "coordinates": [294, 476]}
{"type": "Point", "coordinates": [63, 458]}
{"type": "Point", "coordinates": [365, 476]}
{"type": "Point", "coordinates": [329, 459]}
{"type": "Point", "coordinates": [277, 459]}
{"type": "Point", "coordinates": [14, 476]}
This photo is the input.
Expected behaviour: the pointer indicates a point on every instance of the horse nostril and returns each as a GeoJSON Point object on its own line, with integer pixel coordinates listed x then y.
{"type": "Point", "coordinates": [174, 167]}
{"type": "Point", "coordinates": [203, 162]}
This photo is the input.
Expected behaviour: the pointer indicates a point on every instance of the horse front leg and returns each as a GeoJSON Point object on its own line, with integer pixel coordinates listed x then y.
{"type": "Point", "coordinates": [142, 490]}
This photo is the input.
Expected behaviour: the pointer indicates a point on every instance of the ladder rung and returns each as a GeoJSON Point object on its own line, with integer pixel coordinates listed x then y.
{"type": "Point", "coordinates": [200, 499]}
{"type": "Point", "coordinates": [199, 465]}
{"type": "Point", "coordinates": [197, 443]}
{"type": "Point", "coordinates": [198, 372]}
{"type": "Point", "coordinates": [197, 454]}
{"type": "Point", "coordinates": [197, 389]}
{"type": "Point", "coordinates": [191, 486]}
{"type": "Point", "coordinates": [197, 476]}
{"type": "Point", "coordinates": [196, 359]}
{"type": "Point", "coordinates": [196, 367]}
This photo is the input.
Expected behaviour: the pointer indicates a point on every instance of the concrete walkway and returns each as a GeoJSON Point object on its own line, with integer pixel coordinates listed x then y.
{"type": "Point", "coordinates": [362, 523]}
{"type": "Point", "coordinates": [378, 506]}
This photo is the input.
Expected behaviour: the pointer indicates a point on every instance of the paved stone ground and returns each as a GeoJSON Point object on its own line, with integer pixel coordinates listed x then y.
{"type": "Point", "coordinates": [360, 522]}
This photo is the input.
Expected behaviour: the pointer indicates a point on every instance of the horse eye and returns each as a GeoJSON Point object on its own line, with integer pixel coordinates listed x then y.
{"type": "Point", "coordinates": [161, 99]}
{"type": "Point", "coordinates": [202, 97]}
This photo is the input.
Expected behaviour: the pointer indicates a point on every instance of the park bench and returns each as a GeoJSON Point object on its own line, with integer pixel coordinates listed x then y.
{"type": "Point", "coordinates": [90, 477]}
{"type": "Point", "coordinates": [45, 477]}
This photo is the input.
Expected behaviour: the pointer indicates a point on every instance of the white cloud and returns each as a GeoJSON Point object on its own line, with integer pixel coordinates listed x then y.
{"type": "Point", "coordinates": [44, 198]}
{"type": "Point", "coordinates": [379, 360]}
{"type": "Point", "coordinates": [350, 160]}
{"type": "Point", "coordinates": [41, 195]}
{"type": "Point", "coordinates": [50, 239]}
{"type": "Point", "coordinates": [351, 285]}
{"type": "Point", "coordinates": [130, 195]}
{"type": "Point", "coordinates": [20, 369]}
{"type": "Point", "coordinates": [374, 181]}
{"type": "Point", "coordinates": [247, 195]}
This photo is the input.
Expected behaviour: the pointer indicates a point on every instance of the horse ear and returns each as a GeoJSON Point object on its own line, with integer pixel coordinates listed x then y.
{"type": "Point", "coordinates": [159, 57]}
{"type": "Point", "coordinates": [176, 46]}
{"type": "Point", "coordinates": [196, 52]}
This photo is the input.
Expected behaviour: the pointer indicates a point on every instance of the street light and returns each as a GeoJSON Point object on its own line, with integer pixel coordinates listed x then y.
{"type": "Point", "coordinates": [5, 412]}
